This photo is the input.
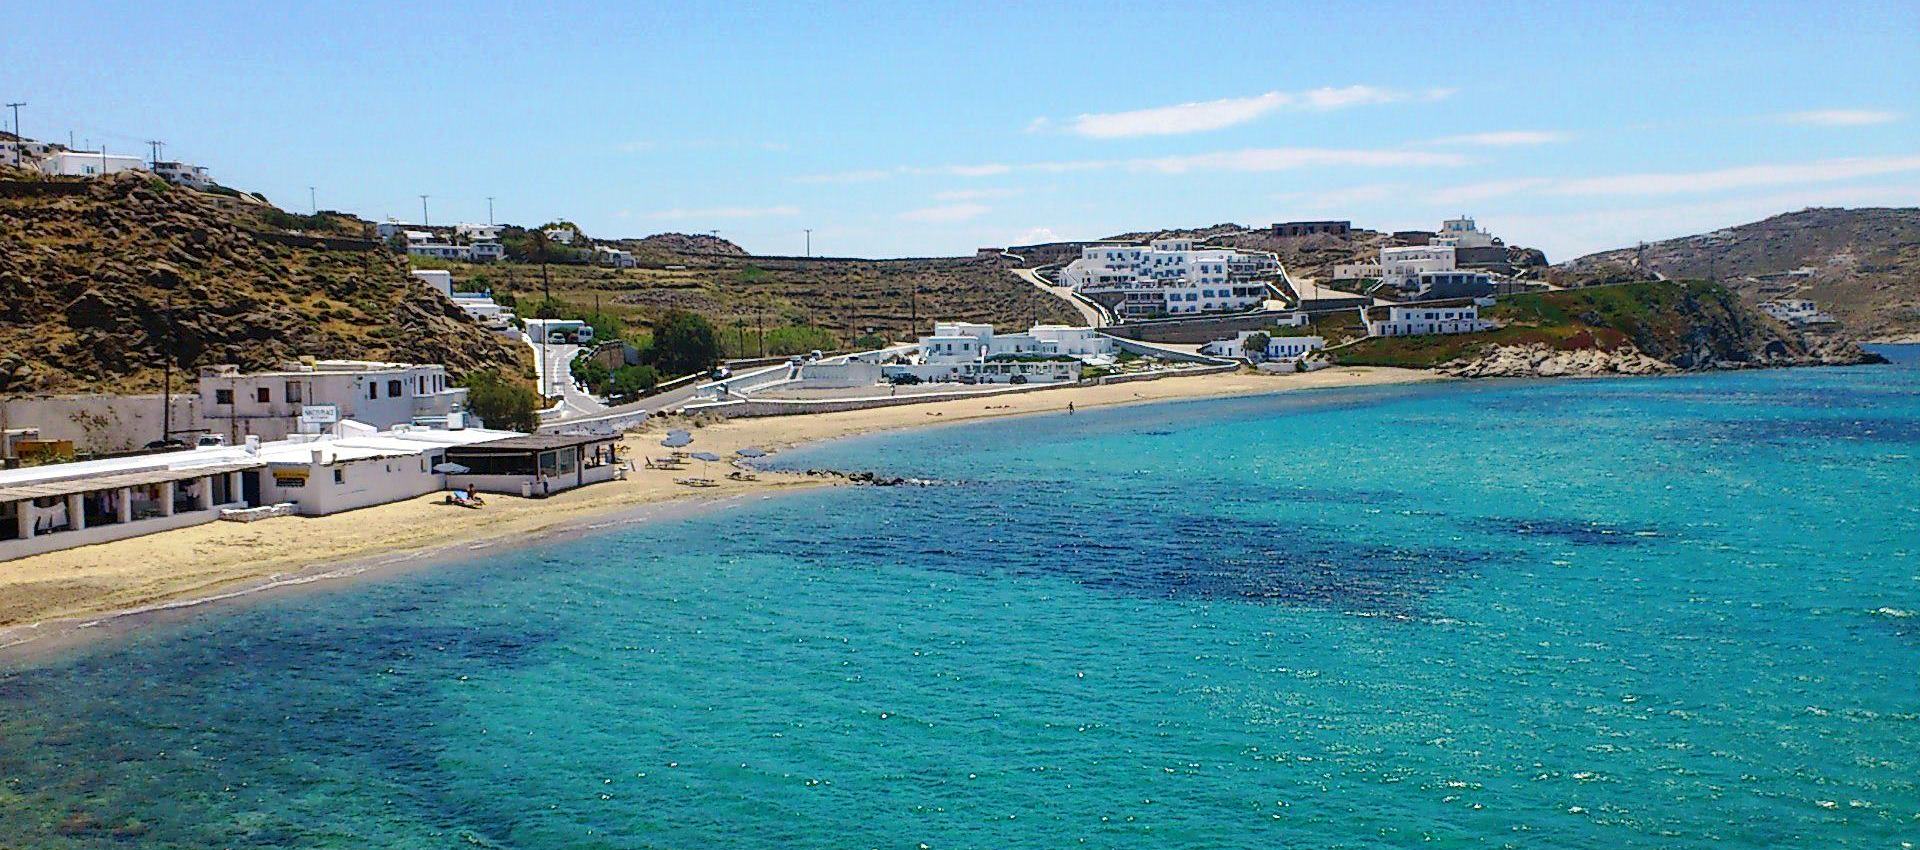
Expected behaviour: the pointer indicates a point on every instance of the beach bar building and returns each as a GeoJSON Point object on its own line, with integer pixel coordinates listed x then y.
{"type": "Point", "coordinates": [535, 464]}
{"type": "Point", "coordinates": [67, 505]}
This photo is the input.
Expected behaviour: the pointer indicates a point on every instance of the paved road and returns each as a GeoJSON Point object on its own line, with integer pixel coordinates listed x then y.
{"type": "Point", "coordinates": [1092, 315]}
{"type": "Point", "coordinates": [556, 378]}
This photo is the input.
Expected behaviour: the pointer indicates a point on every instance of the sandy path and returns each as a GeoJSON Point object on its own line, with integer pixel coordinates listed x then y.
{"type": "Point", "coordinates": [225, 557]}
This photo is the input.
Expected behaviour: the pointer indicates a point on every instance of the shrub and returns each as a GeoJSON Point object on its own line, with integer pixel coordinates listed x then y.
{"type": "Point", "coordinates": [501, 403]}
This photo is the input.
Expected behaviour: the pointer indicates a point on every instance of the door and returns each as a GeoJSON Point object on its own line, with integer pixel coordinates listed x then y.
{"type": "Point", "coordinates": [250, 487]}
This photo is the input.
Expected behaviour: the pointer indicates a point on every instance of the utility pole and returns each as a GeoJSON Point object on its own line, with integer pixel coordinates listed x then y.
{"type": "Point", "coordinates": [489, 210]}
{"type": "Point", "coordinates": [155, 145]}
{"type": "Point", "coordinates": [19, 148]}
{"type": "Point", "coordinates": [423, 211]}
{"type": "Point", "coordinates": [809, 242]}
{"type": "Point", "coordinates": [166, 393]}
{"type": "Point", "coordinates": [313, 202]}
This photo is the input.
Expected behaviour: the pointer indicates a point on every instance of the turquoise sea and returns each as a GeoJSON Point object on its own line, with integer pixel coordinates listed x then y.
{"type": "Point", "coordinates": [1661, 613]}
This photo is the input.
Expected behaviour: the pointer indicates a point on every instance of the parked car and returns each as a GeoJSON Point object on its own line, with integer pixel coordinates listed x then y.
{"type": "Point", "coordinates": [1017, 379]}
{"type": "Point", "coordinates": [904, 379]}
{"type": "Point", "coordinates": [967, 379]}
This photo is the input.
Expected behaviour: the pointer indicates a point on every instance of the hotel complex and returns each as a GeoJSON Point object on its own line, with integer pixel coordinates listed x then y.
{"type": "Point", "coordinates": [1170, 277]}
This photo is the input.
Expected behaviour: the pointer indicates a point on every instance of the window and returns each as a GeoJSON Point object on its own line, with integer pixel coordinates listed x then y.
{"type": "Point", "coordinates": [393, 389]}
{"type": "Point", "coordinates": [373, 389]}
{"type": "Point", "coordinates": [223, 396]}
{"type": "Point", "coordinates": [263, 395]}
{"type": "Point", "coordinates": [293, 392]}
{"type": "Point", "coordinates": [339, 475]}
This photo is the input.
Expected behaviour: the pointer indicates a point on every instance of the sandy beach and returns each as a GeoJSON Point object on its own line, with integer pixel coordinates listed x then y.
{"type": "Point", "coordinates": [41, 594]}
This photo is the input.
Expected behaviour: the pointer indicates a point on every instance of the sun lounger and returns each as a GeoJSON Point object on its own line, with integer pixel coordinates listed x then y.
{"type": "Point", "coordinates": [743, 475]}
{"type": "Point", "coordinates": [697, 482]}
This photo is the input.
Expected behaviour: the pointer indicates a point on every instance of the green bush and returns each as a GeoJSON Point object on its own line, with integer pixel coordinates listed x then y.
{"type": "Point", "coordinates": [501, 403]}
{"type": "Point", "coordinates": [630, 381]}
{"type": "Point", "coordinates": [683, 343]}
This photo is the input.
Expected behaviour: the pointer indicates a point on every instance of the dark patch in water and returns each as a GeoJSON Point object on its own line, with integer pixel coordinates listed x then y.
{"type": "Point", "coordinates": [1586, 533]}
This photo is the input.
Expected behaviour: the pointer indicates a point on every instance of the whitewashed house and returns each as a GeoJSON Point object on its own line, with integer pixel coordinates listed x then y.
{"type": "Point", "coordinates": [182, 174]}
{"type": "Point", "coordinates": [1797, 312]}
{"type": "Point", "coordinates": [609, 256]}
{"type": "Point", "coordinates": [84, 164]}
{"type": "Point", "coordinates": [1425, 272]}
{"type": "Point", "coordinates": [1278, 347]}
{"type": "Point", "coordinates": [1457, 316]}
{"type": "Point", "coordinates": [271, 405]}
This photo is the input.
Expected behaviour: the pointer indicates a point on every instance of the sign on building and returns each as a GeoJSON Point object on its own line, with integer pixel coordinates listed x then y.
{"type": "Point", "coordinates": [319, 414]}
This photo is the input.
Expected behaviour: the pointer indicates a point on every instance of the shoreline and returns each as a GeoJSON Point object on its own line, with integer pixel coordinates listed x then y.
{"type": "Point", "coordinates": [60, 599]}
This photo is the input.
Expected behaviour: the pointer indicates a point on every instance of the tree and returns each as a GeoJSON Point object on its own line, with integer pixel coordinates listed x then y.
{"type": "Point", "coordinates": [591, 372]}
{"type": "Point", "coordinates": [683, 343]}
{"type": "Point", "coordinates": [1255, 347]}
{"type": "Point", "coordinates": [870, 342]}
{"type": "Point", "coordinates": [630, 381]}
{"type": "Point", "coordinates": [501, 403]}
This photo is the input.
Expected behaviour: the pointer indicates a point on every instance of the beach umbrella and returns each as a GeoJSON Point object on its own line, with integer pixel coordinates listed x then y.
{"type": "Point", "coordinates": [706, 459]}
{"type": "Point", "coordinates": [451, 468]}
{"type": "Point", "coordinates": [677, 439]}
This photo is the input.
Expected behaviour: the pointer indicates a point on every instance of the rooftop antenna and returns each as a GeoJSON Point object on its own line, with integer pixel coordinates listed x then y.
{"type": "Point", "coordinates": [489, 210]}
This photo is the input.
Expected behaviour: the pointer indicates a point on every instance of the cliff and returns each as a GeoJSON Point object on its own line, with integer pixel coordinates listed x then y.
{"type": "Point", "coordinates": [1637, 328]}
{"type": "Point", "coordinates": [91, 270]}
{"type": "Point", "coordinates": [1863, 265]}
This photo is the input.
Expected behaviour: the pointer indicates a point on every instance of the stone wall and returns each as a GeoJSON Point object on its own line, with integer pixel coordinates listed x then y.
{"type": "Point", "coordinates": [102, 423]}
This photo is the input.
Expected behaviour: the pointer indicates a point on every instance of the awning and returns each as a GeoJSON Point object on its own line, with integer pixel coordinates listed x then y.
{"type": "Point", "coordinates": [124, 479]}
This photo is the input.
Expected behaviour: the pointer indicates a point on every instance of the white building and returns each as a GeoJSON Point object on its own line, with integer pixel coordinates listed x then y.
{"type": "Point", "coordinates": [1171, 277]}
{"type": "Point", "coordinates": [1278, 347]}
{"type": "Point", "coordinates": [83, 164]}
{"type": "Point", "coordinates": [15, 151]}
{"type": "Point", "coordinates": [272, 405]}
{"type": "Point", "coordinates": [972, 353]}
{"type": "Point", "coordinates": [614, 257]}
{"type": "Point", "coordinates": [1424, 272]}
{"type": "Point", "coordinates": [1357, 271]}
{"type": "Point", "coordinates": [182, 174]}
{"type": "Point", "coordinates": [1462, 233]}
{"type": "Point", "coordinates": [1457, 316]}
{"type": "Point", "coordinates": [563, 235]}
{"type": "Point", "coordinates": [1797, 312]}
{"type": "Point", "coordinates": [477, 232]}
{"type": "Point", "coordinates": [356, 467]}
{"type": "Point", "coordinates": [486, 252]}
{"type": "Point", "coordinates": [63, 505]}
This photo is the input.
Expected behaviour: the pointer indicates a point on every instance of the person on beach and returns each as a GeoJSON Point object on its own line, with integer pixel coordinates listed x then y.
{"type": "Point", "coordinates": [1069, 408]}
{"type": "Point", "coordinates": [473, 497]}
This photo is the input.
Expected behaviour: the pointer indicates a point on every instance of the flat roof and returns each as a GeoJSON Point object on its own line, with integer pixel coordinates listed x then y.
{"type": "Point", "coordinates": [141, 478]}
{"type": "Point", "coordinates": [531, 443]}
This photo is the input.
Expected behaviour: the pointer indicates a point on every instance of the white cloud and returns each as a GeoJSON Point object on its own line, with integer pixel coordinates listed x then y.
{"type": "Point", "coordinates": [1744, 177]}
{"type": "Point", "coordinates": [947, 214]}
{"type": "Point", "coordinates": [1036, 235]}
{"type": "Point", "coordinates": [1283, 159]}
{"type": "Point", "coordinates": [1342, 197]}
{"type": "Point", "coordinates": [1204, 115]}
{"type": "Point", "coordinates": [1840, 117]}
{"type": "Point", "coordinates": [1506, 138]}
{"type": "Point", "coordinates": [724, 212]}
{"type": "Point", "coordinates": [975, 194]}
{"type": "Point", "coordinates": [1245, 160]}
{"type": "Point", "coordinates": [1685, 182]}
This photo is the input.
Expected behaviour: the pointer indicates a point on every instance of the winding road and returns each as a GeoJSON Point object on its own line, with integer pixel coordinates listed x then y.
{"type": "Point", "coordinates": [1093, 314]}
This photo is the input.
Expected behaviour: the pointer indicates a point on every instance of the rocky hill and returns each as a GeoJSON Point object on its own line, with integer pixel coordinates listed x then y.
{"type": "Point", "coordinates": [1863, 265]}
{"type": "Point", "coordinates": [91, 270]}
{"type": "Point", "coordinates": [1635, 328]}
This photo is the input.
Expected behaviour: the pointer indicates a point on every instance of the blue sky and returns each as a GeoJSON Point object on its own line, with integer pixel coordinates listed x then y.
{"type": "Point", "coordinates": [896, 129]}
